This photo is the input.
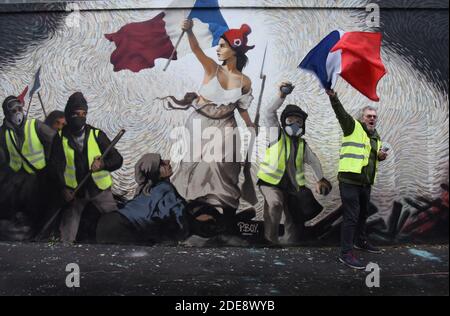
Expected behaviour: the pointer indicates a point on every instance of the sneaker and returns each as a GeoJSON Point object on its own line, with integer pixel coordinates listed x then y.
{"type": "Point", "coordinates": [366, 247]}
{"type": "Point", "coordinates": [350, 260]}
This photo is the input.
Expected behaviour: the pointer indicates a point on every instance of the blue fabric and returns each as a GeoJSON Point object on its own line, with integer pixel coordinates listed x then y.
{"type": "Point", "coordinates": [163, 205]}
{"type": "Point", "coordinates": [37, 83]}
{"type": "Point", "coordinates": [208, 12]}
{"type": "Point", "coordinates": [316, 60]}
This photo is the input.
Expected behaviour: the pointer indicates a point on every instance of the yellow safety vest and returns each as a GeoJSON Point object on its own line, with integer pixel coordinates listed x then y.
{"type": "Point", "coordinates": [101, 178]}
{"type": "Point", "coordinates": [32, 149]}
{"type": "Point", "coordinates": [355, 151]}
{"type": "Point", "coordinates": [272, 169]}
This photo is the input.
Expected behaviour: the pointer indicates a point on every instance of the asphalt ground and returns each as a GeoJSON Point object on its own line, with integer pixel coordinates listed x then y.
{"type": "Point", "coordinates": [40, 269]}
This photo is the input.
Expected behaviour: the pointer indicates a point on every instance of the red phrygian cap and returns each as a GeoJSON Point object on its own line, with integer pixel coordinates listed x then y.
{"type": "Point", "coordinates": [238, 38]}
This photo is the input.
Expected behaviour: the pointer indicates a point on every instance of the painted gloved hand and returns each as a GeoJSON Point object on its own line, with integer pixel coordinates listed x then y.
{"type": "Point", "coordinates": [323, 187]}
{"type": "Point", "coordinates": [98, 164]}
{"type": "Point", "coordinates": [286, 89]}
{"type": "Point", "coordinates": [331, 92]}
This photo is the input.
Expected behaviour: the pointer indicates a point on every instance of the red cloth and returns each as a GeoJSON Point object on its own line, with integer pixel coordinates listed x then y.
{"type": "Point", "coordinates": [362, 66]}
{"type": "Point", "coordinates": [139, 44]}
{"type": "Point", "coordinates": [21, 97]}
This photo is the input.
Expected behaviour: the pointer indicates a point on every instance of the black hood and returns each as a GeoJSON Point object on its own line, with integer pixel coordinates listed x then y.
{"type": "Point", "coordinates": [8, 100]}
{"type": "Point", "coordinates": [290, 110]}
{"type": "Point", "coordinates": [76, 101]}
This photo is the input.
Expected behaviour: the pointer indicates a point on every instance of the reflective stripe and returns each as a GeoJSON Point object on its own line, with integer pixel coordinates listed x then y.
{"type": "Point", "coordinates": [35, 160]}
{"type": "Point", "coordinates": [100, 176]}
{"type": "Point", "coordinates": [352, 144]}
{"type": "Point", "coordinates": [353, 156]}
{"type": "Point", "coordinates": [272, 175]}
{"type": "Point", "coordinates": [271, 168]}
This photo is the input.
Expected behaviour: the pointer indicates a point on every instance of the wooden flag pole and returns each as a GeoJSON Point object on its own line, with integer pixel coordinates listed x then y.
{"type": "Point", "coordinates": [174, 51]}
{"type": "Point", "coordinates": [42, 104]}
{"type": "Point", "coordinates": [29, 106]}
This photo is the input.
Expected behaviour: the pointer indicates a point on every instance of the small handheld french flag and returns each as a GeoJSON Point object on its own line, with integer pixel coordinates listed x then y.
{"type": "Point", "coordinates": [355, 56]}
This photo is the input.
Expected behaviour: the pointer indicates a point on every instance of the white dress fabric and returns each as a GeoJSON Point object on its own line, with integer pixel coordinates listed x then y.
{"type": "Point", "coordinates": [214, 182]}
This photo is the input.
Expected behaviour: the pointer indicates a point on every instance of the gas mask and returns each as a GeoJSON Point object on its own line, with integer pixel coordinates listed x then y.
{"type": "Point", "coordinates": [14, 113]}
{"type": "Point", "coordinates": [293, 121]}
{"type": "Point", "coordinates": [294, 130]}
{"type": "Point", "coordinates": [17, 118]}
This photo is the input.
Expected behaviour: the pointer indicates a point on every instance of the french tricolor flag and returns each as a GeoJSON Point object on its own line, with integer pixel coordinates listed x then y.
{"type": "Point", "coordinates": [139, 44]}
{"type": "Point", "coordinates": [355, 56]}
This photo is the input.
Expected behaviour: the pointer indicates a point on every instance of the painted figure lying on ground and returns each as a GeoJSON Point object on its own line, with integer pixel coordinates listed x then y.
{"type": "Point", "coordinates": [225, 88]}
{"type": "Point", "coordinates": [158, 213]}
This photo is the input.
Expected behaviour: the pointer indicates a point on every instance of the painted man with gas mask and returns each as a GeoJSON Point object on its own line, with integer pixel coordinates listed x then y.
{"type": "Point", "coordinates": [281, 174]}
{"type": "Point", "coordinates": [78, 152]}
{"type": "Point", "coordinates": [25, 146]}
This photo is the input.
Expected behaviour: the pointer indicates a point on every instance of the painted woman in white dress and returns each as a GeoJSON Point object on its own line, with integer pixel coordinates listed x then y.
{"type": "Point", "coordinates": [224, 89]}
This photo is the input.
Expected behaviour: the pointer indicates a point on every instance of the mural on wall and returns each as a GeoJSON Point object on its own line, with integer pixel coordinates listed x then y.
{"type": "Point", "coordinates": [410, 198]}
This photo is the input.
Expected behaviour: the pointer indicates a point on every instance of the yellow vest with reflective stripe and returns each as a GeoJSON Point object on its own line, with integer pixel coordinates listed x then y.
{"type": "Point", "coordinates": [32, 149]}
{"type": "Point", "coordinates": [272, 169]}
{"type": "Point", "coordinates": [102, 178]}
{"type": "Point", "coordinates": [355, 151]}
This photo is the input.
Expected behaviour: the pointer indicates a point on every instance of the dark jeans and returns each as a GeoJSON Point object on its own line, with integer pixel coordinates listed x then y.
{"type": "Point", "coordinates": [355, 201]}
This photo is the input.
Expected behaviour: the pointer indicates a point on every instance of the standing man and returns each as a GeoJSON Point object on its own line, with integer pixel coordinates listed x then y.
{"type": "Point", "coordinates": [282, 171]}
{"type": "Point", "coordinates": [359, 157]}
{"type": "Point", "coordinates": [77, 153]}
{"type": "Point", "coordinates": [25, 146]}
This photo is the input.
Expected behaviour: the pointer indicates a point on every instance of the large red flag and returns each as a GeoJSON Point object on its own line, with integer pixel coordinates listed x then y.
{"type": "Point", "coordinates": [139, 44]}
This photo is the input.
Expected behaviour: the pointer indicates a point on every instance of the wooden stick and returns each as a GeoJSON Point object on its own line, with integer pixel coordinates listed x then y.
{"type": "Point", "coordinates": [29, 105]}
{"type": "Point", "coordinates": [248, 186]}
{"type": "Point", "coordinates": [42, 104]}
